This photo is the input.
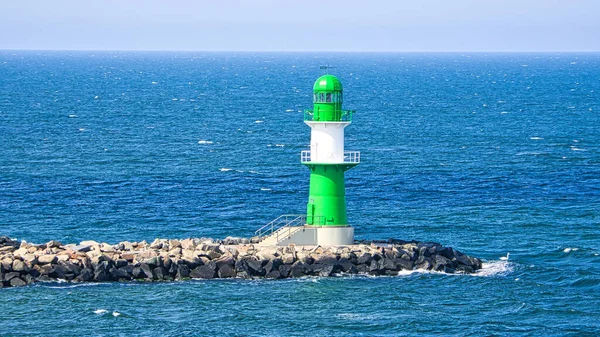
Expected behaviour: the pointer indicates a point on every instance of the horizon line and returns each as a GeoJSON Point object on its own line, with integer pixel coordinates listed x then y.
{"type": "Point", "coordinates": [304, 51]}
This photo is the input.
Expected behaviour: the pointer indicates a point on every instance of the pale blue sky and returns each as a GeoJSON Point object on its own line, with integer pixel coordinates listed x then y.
{"type": "Point", "coordinates": [308, 25]}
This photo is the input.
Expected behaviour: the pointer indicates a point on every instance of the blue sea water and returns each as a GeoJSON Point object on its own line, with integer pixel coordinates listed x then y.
{"type": "Point", "coordinates": [487, 153]}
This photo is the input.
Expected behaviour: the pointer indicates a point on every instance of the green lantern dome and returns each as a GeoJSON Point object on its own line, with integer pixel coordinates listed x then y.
{"type": "Point", "coordinates": [327, 83]}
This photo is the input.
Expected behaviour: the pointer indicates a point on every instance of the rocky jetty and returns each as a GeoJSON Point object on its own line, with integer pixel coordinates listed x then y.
{"type": "Point", "coordinates": [24, 263]}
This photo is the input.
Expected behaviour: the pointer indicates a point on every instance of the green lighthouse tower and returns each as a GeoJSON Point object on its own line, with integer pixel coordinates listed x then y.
{"type": "Point", "coordinates": [327, 161]}
{"type": "Point", "coordinates": [325, 222]}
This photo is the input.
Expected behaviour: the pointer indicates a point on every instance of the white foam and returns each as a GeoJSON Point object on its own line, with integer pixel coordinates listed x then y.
{"type": "Point", "coordinates": [570, 249]}
{"type": "Point", "coordinates": [116, 314]}
{"type": "Point", "coordinates": [289, 110]}
{"type": "Point", "coordinates": [536, 138]}
{"type": "Point", "coordinates": [205, 142]}
{"type": "Point", "coordinates": [258, 121]}
{"type": "Point", "coordinates": [355, 316]}
{"type": "Point", "coordinates": [96, 97]}
{"type": "Point", "coordinates": [225, 169]}
{"type": "Point", "coordinates": [265, 189]}
{"type": "Point", "coordinates": [495, 268]}
{"type": "Point", "coordinates": [154, 82]}
{"type": "Point", "coordinates": [279, 145]}
{"type": "Point", "coordinates": [100, 311]}
{"type": "Point", "coordinates": [503, 112]}
{"type": "Point", "coordinates": [255, 172]}
{"type": "Point", "coordinates": [573, 148]}
{"type": "Point", "coordinates": [72, 116]}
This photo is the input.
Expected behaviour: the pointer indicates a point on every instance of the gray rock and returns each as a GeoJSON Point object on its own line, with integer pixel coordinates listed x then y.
{"type": "Point", "coordinates": [47, 259]}
{"type": "Point", "coordinates": [425, 265]}
{"type": "Point", "coordinates": [365, 258]}
{"type": "Point", "coordinates": [203, 272]}
{"type": "Point", "coordinates": [327, 270]}
{"type": "Point", "coordinates": [255, 267]}
{"type": "Point", "coordinates": [101, 272]}
{"type": "Point", "coordinates": [154, 262]}
{"type": "Point", "coordinates": [121, 263]}
{"type": "Point", "coordinates": [147, 270]}
{"type": "Point", "coordinates": [53, 244]}
{"type": "Point", "coordinates": [9, 276]}
{"type": "Point", "coordinates": [82, 248]}
{"type": "Point", "coordinates": [7, 249]}
{"type": "Point", "coordinates": [403, 264]}
{"type": "Point", "coordinates": [327, 259]}
{"type": "Point", "coordinates": [158, 273]}
{"type": "Point", "coordinates": [386, 264]}
{"type": "Point", "coordinates": [273, 265]}
{"type": "Point", "coordinates": [17, 282]}
{"type": "Point", "coordinates": [138, 273]}
{"type": "Point", "coordinates": [299, 269]}
{"type": "Point", "coordinates": [440, 263]}
{"type": "Point", "coordinates": [226, 271]}
{"type": "Point", "coordinates": [85, 275]}
{"type": "Point", "coordinates": [183, 272]}
{"type": "Point", "coordinates": [275, 274]}
{"type": "Point", "coordinates": [119, 273]}
{"type": "Point", "coordinates": [345, 265]}
{"type": "Point", "coordinates": [284, 270]}
{"type": "Point", "coordinates": [18, 265]}
{"type": "Point", "coordinates": [225, 260]}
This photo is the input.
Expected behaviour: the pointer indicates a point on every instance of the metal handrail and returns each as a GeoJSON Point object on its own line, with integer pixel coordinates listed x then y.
{"type": "Point", "coordinates": [346, 115]}
{"type": "Point", "coordinates": [285, 220]}
{"type": "Point", "coordinates": [350, 157]}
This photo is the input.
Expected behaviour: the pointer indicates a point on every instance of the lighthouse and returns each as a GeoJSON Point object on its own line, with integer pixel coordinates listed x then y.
{"type": "Point", "coordinates": [328, 161]}
{"type": "Point", "coordinates": [325, 222]}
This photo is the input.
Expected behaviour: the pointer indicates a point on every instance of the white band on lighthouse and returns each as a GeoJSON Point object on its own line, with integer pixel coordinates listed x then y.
{"type": "Point", "coordinates": [327, 142]}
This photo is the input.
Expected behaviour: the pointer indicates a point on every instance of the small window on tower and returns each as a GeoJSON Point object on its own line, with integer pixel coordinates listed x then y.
{"type": "Point", "coordinates": [328, 98]}
{"type": "Point", "coordinates": [314, 98]}
{"type": "Point", "coordinates": [321, 98]}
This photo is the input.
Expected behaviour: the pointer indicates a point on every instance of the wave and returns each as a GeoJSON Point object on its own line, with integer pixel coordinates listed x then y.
{"type": "Point", "coordinates": [205, 142]}
{"type": "Point", "coordinates": [495, 268]}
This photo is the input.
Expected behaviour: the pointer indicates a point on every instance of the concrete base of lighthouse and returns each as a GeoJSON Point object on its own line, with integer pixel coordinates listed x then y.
{"type": "Point", "coordinates": [312, 236]}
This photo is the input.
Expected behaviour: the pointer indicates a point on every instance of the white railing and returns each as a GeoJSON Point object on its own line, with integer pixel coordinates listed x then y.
{"type": "Point", "coordinates": [286, 220]}
{"type": "Point", "coordinates": [350, 157]}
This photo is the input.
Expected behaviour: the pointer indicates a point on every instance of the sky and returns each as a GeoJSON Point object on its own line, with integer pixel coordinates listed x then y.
{"type": "Point", "coordinates": [307, 25]}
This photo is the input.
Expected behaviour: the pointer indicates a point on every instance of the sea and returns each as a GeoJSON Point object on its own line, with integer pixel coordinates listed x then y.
{"type": "Point", "coordinates": [489, 153]}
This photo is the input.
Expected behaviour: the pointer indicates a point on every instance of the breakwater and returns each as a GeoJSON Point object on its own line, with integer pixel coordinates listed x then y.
{"type": "Point", "coordinates": [24, 263]}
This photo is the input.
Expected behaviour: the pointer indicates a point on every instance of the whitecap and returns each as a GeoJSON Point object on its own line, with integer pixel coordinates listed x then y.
{"type": "Point", "coordinates": [356, 316]}
{"type": "Point", "coordinates": [570, 249]}
{"type": "Point", "coordinates": [100, 311]}
{"type": "Point", "coordinates": [503, 112]}
{"type": "Point", "coordinates": [154, 82]}
{"type": "Point", "coordinates": [255, 172]}
{"type": "Point", "coordinates": [205, 142]}
{"type": "Point", "coordinates": [573, 148]}
{"type": "Point", "coordinates": [175, 99]}
{"type": "Point", "coordinates": [72, 116]}
{"type": "Point", "coordinates": [265, 189]}
{"type": "Point", "coordinates": [116, 314]}
{"type": "Point", "coordinates": [536, 138]}
{"type": "Point", "coordinates": [528, 153]}
{"type": "Point", "coordinates": [258, 121]}
{"type": "Point", "coordinates": [289, 110]}
{"type": "Point", "coordinates": [279, 145]}
{"type": "Point", "coordinates": [96, 97]}
{"type": "Point", "coordinates": [225, 169]}
{"type": "Point", "coordinates": [495, 268]}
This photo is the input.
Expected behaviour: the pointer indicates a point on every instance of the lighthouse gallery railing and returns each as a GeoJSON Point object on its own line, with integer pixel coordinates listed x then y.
{"type": "Point", "coordinates": [350, 157]}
